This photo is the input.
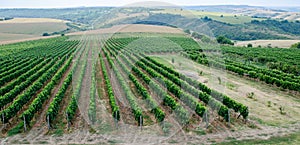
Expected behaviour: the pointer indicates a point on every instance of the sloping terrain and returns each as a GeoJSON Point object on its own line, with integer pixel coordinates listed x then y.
{"type": "Point", "coordinates": [25, 28]}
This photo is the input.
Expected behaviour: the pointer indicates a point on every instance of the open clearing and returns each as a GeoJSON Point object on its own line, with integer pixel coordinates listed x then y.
{"type": "Point", "coordinates": [266, 43]}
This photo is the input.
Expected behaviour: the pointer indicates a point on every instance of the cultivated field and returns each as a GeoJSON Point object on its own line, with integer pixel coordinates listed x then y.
{"type": "Point", "coordinates": [32, 20]}
{"type": "Point", "coordinates": [266, 43]}
{"type": "Point", "coordinates": [131, 28]}
{"type": "Point", "coordinates": [24, 28]}
{"type": "Point", "coordinates": [218, 16]}
{"type": "Point", "coordinates": [141, 86]}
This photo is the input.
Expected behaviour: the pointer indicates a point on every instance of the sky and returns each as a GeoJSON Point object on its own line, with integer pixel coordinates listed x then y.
{"type": "Point", "coordinates": [78, 3]}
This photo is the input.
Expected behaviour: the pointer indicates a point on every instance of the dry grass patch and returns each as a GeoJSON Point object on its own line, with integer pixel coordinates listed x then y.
{"type": "Point", "coordinates": [265, 43]}
{"type": "Point", "coordinates": [262, 93]}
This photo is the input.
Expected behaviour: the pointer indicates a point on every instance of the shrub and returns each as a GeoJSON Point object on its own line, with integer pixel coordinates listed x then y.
{"type": "Point", "coordinates": [249, 45]}
{"type": "Point", "coordinates": [46, 34]}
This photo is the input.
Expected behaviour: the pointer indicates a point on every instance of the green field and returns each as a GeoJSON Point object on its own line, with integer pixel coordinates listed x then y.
{"type": "Point", "coordinates": [162, 82]}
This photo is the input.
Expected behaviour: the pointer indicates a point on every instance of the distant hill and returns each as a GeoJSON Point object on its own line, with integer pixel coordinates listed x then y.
{"type": "Point", "coordinates": [221, 8]}
{"type": "Point", "coordinates": [283, 13]}
{"type": "Point", "coordinates": [227, 20]}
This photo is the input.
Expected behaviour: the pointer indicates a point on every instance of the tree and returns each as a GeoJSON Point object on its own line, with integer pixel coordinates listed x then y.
{"type": "Point", "coordinates": [207, 18]}
{"type": "Point", "coordinates": [187, 31]}
{"type": "Point", "coordinates": [8, 18]}
{"type": "Point", "coordinates": [249, 45]}
{"type": "Point", "coordinates": [296, 45]}
{"type": "Point", "coordinates": [224, 40]}
{"type": "Point", "coordinates": [46, 34]}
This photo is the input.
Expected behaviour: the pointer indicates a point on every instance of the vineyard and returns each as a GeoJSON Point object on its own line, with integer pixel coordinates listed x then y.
{"type": "Point", "coordinates": [112, 83]}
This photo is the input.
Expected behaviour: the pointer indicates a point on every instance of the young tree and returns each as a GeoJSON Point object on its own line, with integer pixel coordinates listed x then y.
{"type": "Point", "coordinates": [224, 40]}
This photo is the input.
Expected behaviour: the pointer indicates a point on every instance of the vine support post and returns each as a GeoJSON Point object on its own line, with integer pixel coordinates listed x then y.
{"type": "Point", "coordinates": [48, 121]}
{"type": "Point", "coordinates": [25, 127]}
{"type": "Point", "coordinates": [141, 122]}
{"type": "Point", "coordinates": [3, 118]}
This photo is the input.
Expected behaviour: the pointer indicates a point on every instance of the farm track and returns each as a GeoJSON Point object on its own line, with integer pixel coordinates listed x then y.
{"type": "Point", "coordinates": [83, 101]}
{"type": "Point", "coordinates": [103, 110]}
{"type": "Point", "coordinates": [140, 137]}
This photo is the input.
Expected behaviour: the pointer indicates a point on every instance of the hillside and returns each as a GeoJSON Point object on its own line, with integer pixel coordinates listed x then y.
{"type": "Point", "coordinates": [282, 13]}
{"type": "Point", "coordinates": [234, 22]}
{"type": "Point", "coordinates": [26, 28]}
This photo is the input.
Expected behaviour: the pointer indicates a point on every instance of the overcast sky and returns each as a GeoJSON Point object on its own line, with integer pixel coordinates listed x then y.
{"type": "Point", "coordinates": [77, 3]}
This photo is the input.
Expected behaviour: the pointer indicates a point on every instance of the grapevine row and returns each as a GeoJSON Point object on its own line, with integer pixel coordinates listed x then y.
{"type": "Point", "coordinates": [136, 110]}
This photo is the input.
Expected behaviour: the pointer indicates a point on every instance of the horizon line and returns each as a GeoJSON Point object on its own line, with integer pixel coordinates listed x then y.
{"type": "Point", "coordinates": [146, 6]}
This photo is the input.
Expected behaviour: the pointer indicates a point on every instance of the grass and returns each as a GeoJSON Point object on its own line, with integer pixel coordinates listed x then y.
{"type": "Point", "coordinates": [227, 18]}
{"type": "Point", "coordinates": [166, 127]}
{"type": "Point", "coordinates": [104, 128]}
{"type": "Point", "coordinates": [16, 130]}
{"type": "Point", "coordinates": [238, 87]}
{"type": "Point", "coordinates": [8, 37]}
{"type": "Point", "coordinates": [24, 28]}
{"type": "Point", "coordinates": [59, 132]}
{"type": "Point", "coordinates": [230, 86]}
{"type": "Point", "coordinates": [162, 61]}
{"type": "Point", "coordinates": [32, 20]}
{"type": "Point", "coordinates": [292, 139]}
{"type": "Point", "coordinates": [36, 29]}
{"type": "Point", "coordinates": [200, 131]}
{"type": "Point", "coordinates": [265, 43]}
